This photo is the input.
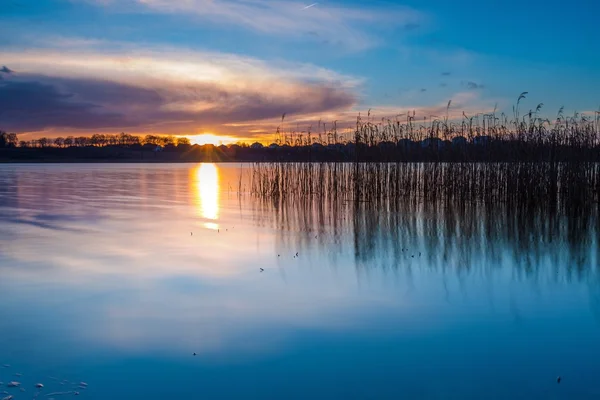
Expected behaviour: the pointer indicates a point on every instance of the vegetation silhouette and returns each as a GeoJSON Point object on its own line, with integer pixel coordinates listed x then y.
{"type": "Point", "coordinates": [487, 137]}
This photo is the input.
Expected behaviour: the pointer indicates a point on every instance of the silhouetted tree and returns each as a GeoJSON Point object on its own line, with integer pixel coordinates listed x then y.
{"type": "Point", "coordinates": [151, 139]}
{"type": "Point", "coordinates": [82, 141]}
{"type": "Point", "coordinates": [183, 141]}
{"type": "Point", "coordinates": [8, 139]}
{"type": "Point", "coordinates": [59, 142]}
{"type": "Point", "coordinates": [98, 140]}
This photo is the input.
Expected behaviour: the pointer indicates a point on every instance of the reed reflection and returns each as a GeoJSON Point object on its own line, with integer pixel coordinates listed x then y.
{"type": "Point", "coordinates": [206, 191]}
{"type": "Point", "coordinates": [529, 242]}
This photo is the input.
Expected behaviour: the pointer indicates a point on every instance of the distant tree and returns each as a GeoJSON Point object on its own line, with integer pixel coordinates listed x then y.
{"type": "Point", "coordinates": [98, 140]}
{"type": "Point", "coordinates": [82, 141]}
{"type": "Point", "coordinates": [112, 140]}
{"type": "Point", "coordinates": [133, 140]}
{"type": "Point", "coordinates": [69, 141]}
{"type": "Point", "coordinates": [12, 139]}
{"type": "Point", "coordinates": [167, 140]}
{"type": "Point", "coordinates": [44, 142]}
{"type": "Point", "coordinates": [59, 142]}
{"type": "Point", "coordinates": [122, 139]}
{"type": "Point", "coordinates": [24, 143]}
{"type": "Point", "coordinates": [183, 141]}
{"type": "Point", "coordinates": [8, 139]}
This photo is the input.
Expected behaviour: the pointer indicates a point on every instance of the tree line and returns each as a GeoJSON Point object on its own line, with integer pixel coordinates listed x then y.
{"type": "Point", "coordinates": [8, 140]}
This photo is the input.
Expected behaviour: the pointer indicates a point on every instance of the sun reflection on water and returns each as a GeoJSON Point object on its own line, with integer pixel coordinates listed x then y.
{"type": "Point", "coordinates": [205, 181]}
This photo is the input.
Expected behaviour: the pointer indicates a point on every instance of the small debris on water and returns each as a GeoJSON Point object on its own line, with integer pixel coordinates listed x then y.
{"type": "Point", "coordinates": [558, 379]}
{"type": "Point", "coordinates": [39, 385]}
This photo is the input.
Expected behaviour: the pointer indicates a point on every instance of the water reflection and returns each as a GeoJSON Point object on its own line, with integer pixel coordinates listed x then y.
{"type": "Point", "coordinates": [98, 268]}
{"type": "Point", "coordinates": [528, 242]}
{"type": "Point", "coordinates": [205, 183]}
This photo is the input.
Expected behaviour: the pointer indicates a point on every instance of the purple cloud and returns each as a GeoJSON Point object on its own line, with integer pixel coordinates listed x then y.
{"type": "Point", "coordinates": [37, 102]}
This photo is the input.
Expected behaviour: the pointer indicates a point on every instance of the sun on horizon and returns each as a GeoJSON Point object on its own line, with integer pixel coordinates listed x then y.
{"type": "Point", "coordinates": [211, 138]}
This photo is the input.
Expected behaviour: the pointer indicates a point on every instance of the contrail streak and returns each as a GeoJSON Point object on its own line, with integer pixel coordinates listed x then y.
{"type": "Point", "coordinates": [312, 5]}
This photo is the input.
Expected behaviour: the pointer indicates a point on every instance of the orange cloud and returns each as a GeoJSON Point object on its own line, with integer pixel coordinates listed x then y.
{"type": "Point", "coordinates": [160, 90]}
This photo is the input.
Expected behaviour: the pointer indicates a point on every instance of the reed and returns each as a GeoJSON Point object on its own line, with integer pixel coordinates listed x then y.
{"type": "Point", "coordinates": [524, 161]}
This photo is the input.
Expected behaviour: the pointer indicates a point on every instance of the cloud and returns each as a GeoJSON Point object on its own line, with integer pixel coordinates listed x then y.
{"type": "Point", "coordinates": [469, 102]}
{"type": "Point", "coordinates": [472, 85]}
{"type": "Point", "coordinates": [423, 90]}
{"type": "Point", "coordinates": [6, 70]}
{"type": "Point", "coordinates": [446, 74]}
{"type": "Point", "coordinates": [163, 90]}
{"type": "Point", "coordinates": [353, 27]}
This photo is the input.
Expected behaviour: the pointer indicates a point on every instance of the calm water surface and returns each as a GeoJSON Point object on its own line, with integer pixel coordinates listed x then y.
{"type": "Point", "coordinates": [115, 275]}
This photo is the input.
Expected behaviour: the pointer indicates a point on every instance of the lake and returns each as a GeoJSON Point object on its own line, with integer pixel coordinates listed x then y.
{"type": "Point", "coordinates": [115, 275]}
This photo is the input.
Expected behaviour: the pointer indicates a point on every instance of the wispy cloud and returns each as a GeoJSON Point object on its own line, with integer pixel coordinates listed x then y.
{"type": "Point", "coordinates": [469, 102]}
{"type": "Point", "coordinates": [353, 27]}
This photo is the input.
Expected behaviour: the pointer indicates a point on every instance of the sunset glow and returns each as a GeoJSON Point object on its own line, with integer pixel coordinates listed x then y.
{"type": "Point", "coordinates": [211, 138]}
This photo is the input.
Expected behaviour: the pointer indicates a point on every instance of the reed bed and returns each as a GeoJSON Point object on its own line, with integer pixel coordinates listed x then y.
{"type": "Point", "coordinates": [553, 184]}
{"type": "Point", "coordinates": [524, 161]}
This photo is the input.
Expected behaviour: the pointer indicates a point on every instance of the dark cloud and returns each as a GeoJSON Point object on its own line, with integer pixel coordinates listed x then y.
{"type": "Point", "coordinates": [32, 105]}
{"type": "Point", "coordinates": [472, 85]}
{"type": "Point", "coordinates": [6, 70]}
{"type": "Point", "coordinates": [446, 73]}
{"type": "Point", "coordinates": [423, 90]}
{"type": "Point", "coordinates": [35, 102]}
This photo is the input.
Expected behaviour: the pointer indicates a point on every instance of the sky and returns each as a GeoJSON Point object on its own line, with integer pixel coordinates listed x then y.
{"type": "Point", "coordinates": [232, 68]}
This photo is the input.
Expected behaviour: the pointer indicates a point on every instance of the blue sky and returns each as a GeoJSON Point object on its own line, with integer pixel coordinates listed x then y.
{"type": "Point", "coordinates": [232, 67]}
